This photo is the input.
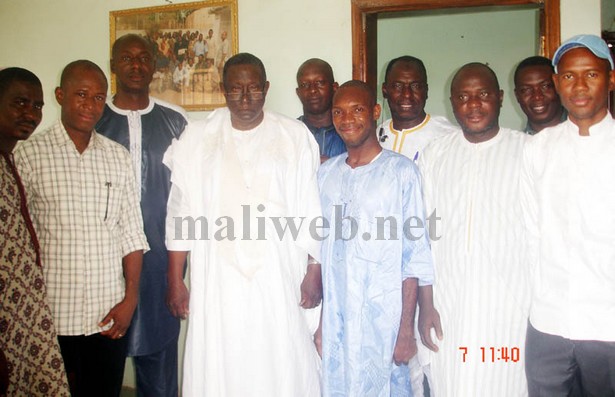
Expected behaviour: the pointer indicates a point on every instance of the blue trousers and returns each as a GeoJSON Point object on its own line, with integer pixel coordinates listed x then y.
{"type": "Point", "coordinates": [157, 373]}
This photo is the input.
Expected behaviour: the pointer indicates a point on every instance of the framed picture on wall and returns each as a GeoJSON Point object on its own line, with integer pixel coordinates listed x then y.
{"type": "Point", "coordinates": [191, 42]}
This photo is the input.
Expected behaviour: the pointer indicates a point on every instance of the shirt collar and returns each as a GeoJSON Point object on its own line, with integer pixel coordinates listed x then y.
{"type": "Point", "coordinates": [125, 112]}
{"type": "Point", "coordinates": [59, 137]}
{"type": "Point", "coordinates": [530, 131]}
{"type": "Point", "coordinates": [315, 129]}
{"type": "Point", "coordinates": [603, 127]}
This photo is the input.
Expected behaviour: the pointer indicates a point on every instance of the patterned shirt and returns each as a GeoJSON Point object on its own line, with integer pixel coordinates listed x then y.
{"type": "Point", "coordinates": [86, 214]}
{"type": "Point", "coordinates": [27, 335]}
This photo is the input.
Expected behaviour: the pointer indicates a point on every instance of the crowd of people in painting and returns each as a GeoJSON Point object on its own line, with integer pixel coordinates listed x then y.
{"type": "Point", "coordinates": [189, 59]}
{"type": "Point", "coordinates": [329, 255]}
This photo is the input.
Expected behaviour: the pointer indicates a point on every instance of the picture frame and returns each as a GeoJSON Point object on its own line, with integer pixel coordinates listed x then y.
{"type": "Point", "coordinates": [187, 72]}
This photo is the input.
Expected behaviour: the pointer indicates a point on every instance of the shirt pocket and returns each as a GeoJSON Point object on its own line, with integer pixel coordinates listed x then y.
{"type": "Point", "coordinates": [110, 204]}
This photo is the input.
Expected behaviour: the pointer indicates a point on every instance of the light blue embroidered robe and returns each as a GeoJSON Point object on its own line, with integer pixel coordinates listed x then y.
{"type": "Point", "coordinates": [363, 274]}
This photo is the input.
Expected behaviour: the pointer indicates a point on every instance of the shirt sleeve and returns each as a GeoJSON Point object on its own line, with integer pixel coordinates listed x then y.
{"type": "Point", "coordinates": [178, 219]}
{"type": "Point", "coordinates": [131, 220]}
{"type": "Point", "coordinates": [529, 207]}
{"type": "Point", "coordinates": [416, 254]}
{"type": "Point", "coordinates": [307, 195]}
{"type": "Point", "coordinates": [22, 163]}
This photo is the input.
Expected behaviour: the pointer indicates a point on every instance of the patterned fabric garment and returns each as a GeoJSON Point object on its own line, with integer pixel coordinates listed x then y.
{"type": "Point", "coordinates": [27, 335]}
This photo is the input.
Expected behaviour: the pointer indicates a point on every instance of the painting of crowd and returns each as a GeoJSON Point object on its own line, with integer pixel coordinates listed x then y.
{"type": "Point", "coordinates": [191, 46]}
{"type": "Point", "coordinates": [189, 65]}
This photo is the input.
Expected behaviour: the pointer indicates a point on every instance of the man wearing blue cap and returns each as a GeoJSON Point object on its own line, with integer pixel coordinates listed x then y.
{"type": "Point", "coordinates": [568, 198]}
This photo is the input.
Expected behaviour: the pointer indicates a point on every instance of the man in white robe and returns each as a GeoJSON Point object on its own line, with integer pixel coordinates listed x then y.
{"type": "Point", "coordinates": [242, 179]}
{"type": "Point", "coordinates": [409, 130]}
{"type": "Point", "coordinates": [471, 180]}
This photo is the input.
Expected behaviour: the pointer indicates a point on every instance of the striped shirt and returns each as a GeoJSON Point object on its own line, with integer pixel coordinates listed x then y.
{"type": "Point", "coordinates": [481, 286]}
{"type": "Point", "coordinates": [86, 214]}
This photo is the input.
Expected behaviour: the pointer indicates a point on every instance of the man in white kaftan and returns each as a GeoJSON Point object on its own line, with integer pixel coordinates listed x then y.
{"type": "Point", "coordinates": [409, 130]}
{"type": "Point", "coordinates": [241, 172]}
{"type": "Point", "coordinates": [471, 180]}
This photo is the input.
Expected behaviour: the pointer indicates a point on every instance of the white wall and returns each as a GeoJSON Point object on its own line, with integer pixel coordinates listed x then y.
{"type": "Point", "coordinates": [44, 35]}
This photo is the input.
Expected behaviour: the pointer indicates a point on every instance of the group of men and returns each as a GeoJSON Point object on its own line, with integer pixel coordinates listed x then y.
{"type": "Point", "coordinates": [96, 232]}
{"type": "Point", "coordinates": [491, 246]}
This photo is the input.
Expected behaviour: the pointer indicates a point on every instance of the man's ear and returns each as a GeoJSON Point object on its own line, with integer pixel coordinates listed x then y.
{"type": "Point", "coordinates": [335, 86]}
{"type": "Point", "coordinates": [555, 79]}
{"type": "Point", "coordinates": [266, 87]}
{"type": "Point", "coordinates": [384, 90]}
{"type": "Point", "coordinates": [59, 95]}
{"type": "Point", "coordinates": [377, 110]}
{"type": "Point", "coordinates": [612, 80]}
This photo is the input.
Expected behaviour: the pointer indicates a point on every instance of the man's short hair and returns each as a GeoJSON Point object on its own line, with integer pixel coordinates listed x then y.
{"type": "Point", "coordinates": [363, 86]}
{"type": "Point", "coordinates": [10, 75]}
{"type": "Point", "coordinates": [131, 37]}
{"type": "Point", "coordinates": [533, 61]}
{"type": "Point", "coordinates": [476, 65]}
{"type": "Point", "coordinates": [405, 59]}
{"type": "Point", "coordinates": [244, 58]}
{"type": "Point", "coordinates": [82, 64]}
{"type": "Point", "coordinates": [320, 63]}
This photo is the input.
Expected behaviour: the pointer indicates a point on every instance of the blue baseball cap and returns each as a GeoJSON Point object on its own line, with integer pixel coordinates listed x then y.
{"type": "Point", "coordinates": [593, 43]}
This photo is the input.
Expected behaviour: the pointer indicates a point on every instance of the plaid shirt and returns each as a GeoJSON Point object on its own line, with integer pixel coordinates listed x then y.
{"type": "Point", "coordinates": [86, 214]}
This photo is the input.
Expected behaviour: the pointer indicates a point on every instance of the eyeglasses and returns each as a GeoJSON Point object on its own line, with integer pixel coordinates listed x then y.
{"type": "Point", "coordinates": [250, 95]}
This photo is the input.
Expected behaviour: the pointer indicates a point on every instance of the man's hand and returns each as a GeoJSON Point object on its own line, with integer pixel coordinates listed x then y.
{"type": "Point", "coordinates": [429, 318]}
{"type": "Point", "coordinates": [405, 349]}
{"type": "Point", "coordinates": [178, 299]}
{"type": "Point", "coordinates": [178, 296]}
{"type": "Point", "coordinates": [318, 338]}
{"type": "Point", "coordinates": [311, 287]}
{"type": "Point", "coordinates": [120, 317]}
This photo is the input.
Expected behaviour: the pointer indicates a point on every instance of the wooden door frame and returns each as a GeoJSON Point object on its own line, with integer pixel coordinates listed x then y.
{"type": "Point", "coordinates": [365, 18]}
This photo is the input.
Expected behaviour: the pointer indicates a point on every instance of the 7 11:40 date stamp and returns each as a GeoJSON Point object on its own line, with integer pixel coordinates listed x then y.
{"type": "Point", "coordinates": [491, 354]}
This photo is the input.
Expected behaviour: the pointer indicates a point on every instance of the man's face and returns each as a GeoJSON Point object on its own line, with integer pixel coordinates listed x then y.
{"type": "Point", "coordinates": [583, 82]}
{"type": "Point", "coordinates": [223, 35]}
{"type": "Point", "coordinates": [82, 100]}
{"type": "Point", "coordinates": [535, 92]}
{"type": "Point", "coordinates": [354, 117]}
{"type": "Point", "coordinates": [210, 33]}
{"type": "Point", "coordinates": [245, 93]}
{"type": "Point", "coordinates": [133, 65]}
{"type": "Point", "coordinates": [406, 93]}
{"type": "Point", "coordinates": [21, 111]}
{"type": "Point", "coordinates": [476, 103]}
{"type": "Point", "coordinates": [315, 90]}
